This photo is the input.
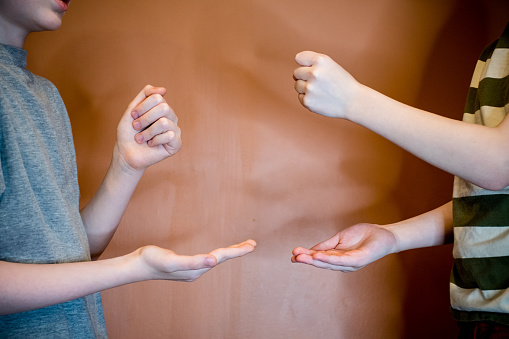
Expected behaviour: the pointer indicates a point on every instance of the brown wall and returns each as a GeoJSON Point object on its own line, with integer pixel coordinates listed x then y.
{"type": "Point", "coordinates": [255, 164]}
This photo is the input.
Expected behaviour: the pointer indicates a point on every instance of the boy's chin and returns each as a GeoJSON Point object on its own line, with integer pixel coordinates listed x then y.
{"type": "Point", "coordinates": [51, 24]}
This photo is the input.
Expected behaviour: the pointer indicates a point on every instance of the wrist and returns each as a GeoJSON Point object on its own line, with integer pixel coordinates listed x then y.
{"type": "Point", "coordinates": [398, 239]}
{"type": "Point", "coordinates": [133, 267]}
{"type": "Point", "coordinates": [121, 167]}
{"type": "Point", "coordinates": [118, 185]}
{"type": "Point", "coordinates": [357, 104]}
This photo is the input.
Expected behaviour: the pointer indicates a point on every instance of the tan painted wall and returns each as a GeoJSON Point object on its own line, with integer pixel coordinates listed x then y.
{"type": "Point", "coordinates": [255, 164]}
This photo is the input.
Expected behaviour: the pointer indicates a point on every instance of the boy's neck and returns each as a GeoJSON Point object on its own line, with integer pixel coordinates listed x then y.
{"type": "Point", "coordinates": [13, 35]}
{"type": "Point", "coordinates": [16, 39]}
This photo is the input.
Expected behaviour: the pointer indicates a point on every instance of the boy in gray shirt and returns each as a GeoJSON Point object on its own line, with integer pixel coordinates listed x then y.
{"type": "Point", "coordinates": [49, 275]}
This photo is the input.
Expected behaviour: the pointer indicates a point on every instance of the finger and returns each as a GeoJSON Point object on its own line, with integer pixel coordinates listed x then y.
{"type": "Point", "coordinates": [234, 251]}
{"type": "Point", "coordinates": [150, 90]}
{"type": "Point", "coordinates": [302, 100]}
{"type": "Point", "coordinates": [206, 261]}
{"type": "Point", "coordinates": [161, 126]}
{"type": "Point", "coordinates": [327, 244]}
{"type": "Point", "coordinates": [187, 263]}
{"type": "Point", "coordinates": [302, 73]}
{"type": "Point", "coordinates": [161, 111]}
{"type": "Point", "coordinates": [310, 59]}
{"type": "Point", "coordinates": [168, 138]}
{"type": "Point", "coordinates": [302, 258]}
{"type": "Point", "coordinates": [310, 260]}
{"type": "Point", "coordinates": [340, 258]}
{"type": "Point", "coordinates": [144, 93]}
{"type": "Point", "coordinates": [252, 242]}
{"type": "Point", "coordinates": [171, 142]}
{"type": "Point", "coordinates": [238, 249]}
{"type": "Point", "coordinates": [151, 109]}
{"type": "Point", "coordinates": [301, 86]}
{"type": "Point", "coordinates": [244, 243]}
{"type": "Point", "coordinates": [300, 250]}
{"type": "Point", "coordinates": [306, 58]}
{"type": "Point", "coordinates": [327, 266]}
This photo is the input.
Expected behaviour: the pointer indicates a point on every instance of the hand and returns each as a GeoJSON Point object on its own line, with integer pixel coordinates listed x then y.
{"type": "Point", "coordinates": [324, 87]}
{"type": "Point", "coordinates": [164, 264]}
{"type": "Point", "coordinates": [148, 131]}
{"type": "Point", "coordinates": [350, 249]}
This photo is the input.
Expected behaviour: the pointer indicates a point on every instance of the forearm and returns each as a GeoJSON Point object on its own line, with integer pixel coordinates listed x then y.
{"type": "Point", "coordinates": [25, 287]}
{"type": "Point", "coordinates": [473, 152]}
{"type": "Point", "coordinates": [429, 229]}
{"type": "Point", "coordinates": [103, 213]}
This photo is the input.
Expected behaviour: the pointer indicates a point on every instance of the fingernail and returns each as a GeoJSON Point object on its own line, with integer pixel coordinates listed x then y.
{"type": "Point", "coordinates": [134, 114]}
{"type": "Point", "coordinates": [137, 125]}
{"type": "Point", "coordinates": [138, 138]}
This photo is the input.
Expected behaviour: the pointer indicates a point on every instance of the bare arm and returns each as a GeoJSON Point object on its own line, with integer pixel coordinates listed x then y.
{"type": "Point", "coordinates": [432, 228]}
{"type": "Point", "coordinates": [327, 89]}
{"type": "Point", "coordinates": [25, 287]}
{"type": "Point", "coordinates": [362, 244]}
{"type": "Point", "coordinates": [473, 152]}
{"type": "Point", "coordinates": [147, 133]}
{"type": "Point", "coordinates": [103, 213]}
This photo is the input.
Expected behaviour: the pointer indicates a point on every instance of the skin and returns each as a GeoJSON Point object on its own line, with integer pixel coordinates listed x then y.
{"type": "Point", "coordinates": [146, 134]}
{"type": "Point", "coordinates": [361, 244]}
{"type": "Point", "coordinates": [325, 88]}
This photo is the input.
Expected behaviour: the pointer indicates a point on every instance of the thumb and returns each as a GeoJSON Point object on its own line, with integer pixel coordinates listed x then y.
{"type": "Point", "coordinates": [194, 262]}
{"type": "Point", "coordinates": [206, 261]}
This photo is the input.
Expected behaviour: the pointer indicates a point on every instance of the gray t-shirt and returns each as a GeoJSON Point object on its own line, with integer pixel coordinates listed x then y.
{"type": "Point", "coordinates": [39, 198]}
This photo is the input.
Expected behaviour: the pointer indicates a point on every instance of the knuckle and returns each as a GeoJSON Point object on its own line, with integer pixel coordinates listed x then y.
{"type": "Point", "coordinates": [165, 124]}
{"type": "Point", "coordinates": [177, 131]}
{"type": "Point", "coordinates": [164, 105]}
{"type": "Point", "coordinates": [158, 98]}
{"type": "Point", "coordinates": [321, 58]}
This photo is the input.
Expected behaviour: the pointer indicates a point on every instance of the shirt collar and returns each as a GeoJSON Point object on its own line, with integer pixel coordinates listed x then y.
{"type": "Point", "coordinates": [13, 55]}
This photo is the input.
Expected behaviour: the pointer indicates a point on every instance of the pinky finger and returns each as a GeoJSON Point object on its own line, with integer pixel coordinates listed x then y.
{"type": "Point", "coordinates": [327, 266]}
{"type": "Point", "coordinates": [163, 138]}
{"type": "Point", "coordinates": [301, 86]}
{"type": "Point", "coordinates": [301, 99]}
{"type": "Point", "coordinates": [170, 140]}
